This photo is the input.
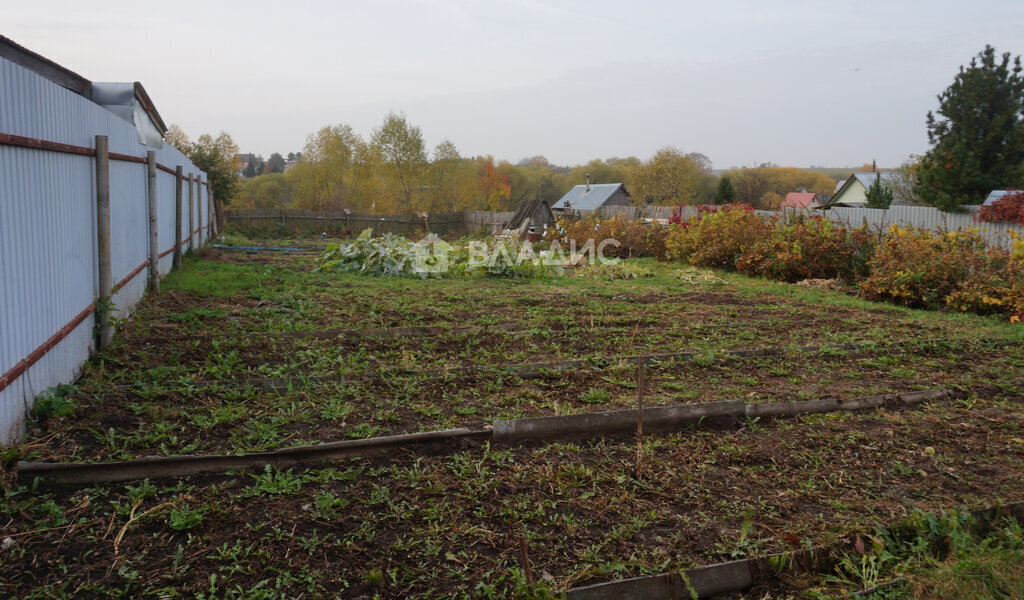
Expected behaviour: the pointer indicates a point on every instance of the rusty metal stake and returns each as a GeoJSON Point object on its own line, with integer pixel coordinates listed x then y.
{"type": "Point", "coordinates": [524, 555]}
{"type": "Point", "coordinates": [640, 420]}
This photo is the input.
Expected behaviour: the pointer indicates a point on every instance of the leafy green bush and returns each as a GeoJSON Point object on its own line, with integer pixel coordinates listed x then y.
{"type": "Point", "coordinates": [717, 239]}
{"type": "Point", "coordinates": [502, 259]}
{"type": "Point", "coordinates": [54, 402]}
{"type": "Point", "coordinates": [808, 247]}
{"type": "Point", "coordinates": [395, 256]}
{"type": "Point", "coordinates": [386, 256]}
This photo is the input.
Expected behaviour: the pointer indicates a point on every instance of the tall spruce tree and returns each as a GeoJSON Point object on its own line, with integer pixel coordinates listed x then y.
{"type": "Point", "coordinates": [978, 136]}
{"type": "Point", "coordinates": [725, 193]}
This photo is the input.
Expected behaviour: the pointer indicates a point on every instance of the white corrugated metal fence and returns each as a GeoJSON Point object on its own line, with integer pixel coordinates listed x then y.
{"type": "Point", "coordinates": [48, 245]}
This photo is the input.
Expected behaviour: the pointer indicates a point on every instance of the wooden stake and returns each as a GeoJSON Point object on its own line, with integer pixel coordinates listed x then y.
{"type": "Point", "coordinates": [103, 246]}
{"type": "Point", "coordinates": [191, 211]}
{"type": "Point", "coordinates": [640, 420]}
{"type": "Point", "coordinates": [176, 262]}
{"type": "Point", "coordinates": [154, 246]}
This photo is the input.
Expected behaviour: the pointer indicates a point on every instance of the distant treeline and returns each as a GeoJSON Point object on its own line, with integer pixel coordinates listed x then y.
{"type": "Point", "coordinates": [393, 172]}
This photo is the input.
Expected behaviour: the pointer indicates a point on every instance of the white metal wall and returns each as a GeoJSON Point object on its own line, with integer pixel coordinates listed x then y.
{"type": "Point", "coordinates": [926, 217]}
{"type": "Point", "coordinates": [48, 262]}
{"type": "Point", "coordinates": [994, 234]}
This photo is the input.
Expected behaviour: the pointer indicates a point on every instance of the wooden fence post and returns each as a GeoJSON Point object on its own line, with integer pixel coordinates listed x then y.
{"type": "Point", "coordinates": [177, 217]}
{"type": "Point", "coordinates": [154, 248]}
{"type": "Point", "coordinates": [211, 219]}
{"type": "Point", "coordinates": [104, 302]}
{"type": "Point", "coordinates": [191, 212]}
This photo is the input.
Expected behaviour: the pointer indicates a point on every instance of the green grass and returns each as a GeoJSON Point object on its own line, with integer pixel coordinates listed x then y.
{"type": "Point", "coordinates": [933, 557]}
{"type": "Point", "coordinates": [449, 524]}
{"type": "Point", "coordinates": [212, 279]}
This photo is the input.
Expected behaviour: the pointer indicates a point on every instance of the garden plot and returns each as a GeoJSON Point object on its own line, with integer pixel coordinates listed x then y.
{"type": "Point", "coordinates": [444, 525]}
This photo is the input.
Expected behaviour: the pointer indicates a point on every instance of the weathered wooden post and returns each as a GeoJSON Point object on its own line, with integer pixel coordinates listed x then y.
{"type": "Point", "coordinates": [177, 217]}
{"type": "Point", "coordinates": [212, 217]}
{"type": "Point", "coordinates": [154, 248]}
{"type": "Point", "coordinates": [104, 302]}
{"type": "Point", "coordinates": [191, 212]}
{"type": "Point", "coordinates": [199, 211]}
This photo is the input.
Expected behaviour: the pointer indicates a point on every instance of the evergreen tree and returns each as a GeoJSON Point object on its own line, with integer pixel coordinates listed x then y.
{"type": "Point", "coordinates": [725, 193]}
{"type": "Point", "coordinates": [978, 138]}
{"type": "Point", "coordinates": [879, 196]}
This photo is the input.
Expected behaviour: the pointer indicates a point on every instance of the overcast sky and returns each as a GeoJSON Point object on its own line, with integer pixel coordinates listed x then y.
{"type": "Point", "coordinates": [792, 82]}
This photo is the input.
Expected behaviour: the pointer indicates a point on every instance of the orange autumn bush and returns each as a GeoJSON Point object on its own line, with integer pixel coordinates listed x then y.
{"type": "Point", "coordinates": [954, 270]}
{"type": "Point", "coordinates": [717, 239]}
{"type": "Point", "coordinates": [635, 238]}
{"type": "Point", "coordinates": [808, 247]}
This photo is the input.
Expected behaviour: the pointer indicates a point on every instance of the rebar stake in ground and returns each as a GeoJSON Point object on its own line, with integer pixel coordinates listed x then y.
{"type": "Point", "coordinates": [640, 420]}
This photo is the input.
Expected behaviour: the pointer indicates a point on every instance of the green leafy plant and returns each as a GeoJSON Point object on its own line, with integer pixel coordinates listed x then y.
{"type": "Point", "coordinates": [395, 256]}
{"type": "Point", "coordinates": [54, 402]}
{"type": "Point", "coordinates": [595, 396]}
{"type": "Point", "coordinates": [616, 270]}
{"type": "Point", "coordinates": [327, 505]}
{"type": "Point", "coordinates": [182, 517]}
{"type": "Point", "coordinates": [273, 481]}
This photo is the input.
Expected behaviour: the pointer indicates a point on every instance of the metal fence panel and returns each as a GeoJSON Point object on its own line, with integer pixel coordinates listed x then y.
{"type": "Point", "coordinates": [925, 217]}
{"type": "Point", "coordinates": [48, 262]}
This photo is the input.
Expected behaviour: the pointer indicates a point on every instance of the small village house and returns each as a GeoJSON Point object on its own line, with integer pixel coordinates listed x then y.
{"type": "Point", "coordinates": [530, 220]}
{"type": "Point", "coordinates": [593, 197]}
{"type": "Point", "coordinates": [853, 192]}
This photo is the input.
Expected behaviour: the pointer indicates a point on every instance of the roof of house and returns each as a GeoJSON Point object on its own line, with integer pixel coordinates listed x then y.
{"type": "Point", "coordinates": [799, 200]}
{"type": "Point", "coordinates": [589, 197]}
{"type": "Point", "coordinates": [526, 212]}
{"type": "Point", "coordinates": [865, 179]}
{"type": "Point", "coordinates": [868, 179]}
{"type": "Point", "coordinates": [997, 195]}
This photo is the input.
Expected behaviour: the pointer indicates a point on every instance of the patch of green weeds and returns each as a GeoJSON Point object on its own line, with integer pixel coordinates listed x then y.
{"type": "Point", "coordinates": [275, 482]}
{"type": "Point", "coordinates": [55, 402]}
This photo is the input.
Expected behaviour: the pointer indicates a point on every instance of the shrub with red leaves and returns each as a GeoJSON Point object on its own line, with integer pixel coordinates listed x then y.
{"type": "Point", "coordinates": [1008, 208]}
